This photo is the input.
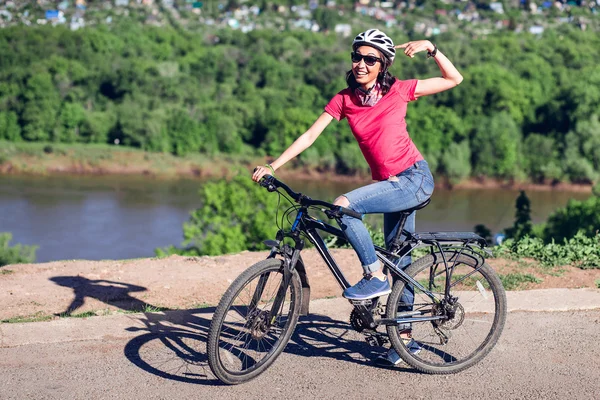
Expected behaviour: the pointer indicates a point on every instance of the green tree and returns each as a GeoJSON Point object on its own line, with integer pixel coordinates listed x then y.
{"type": "Point", "coordinates": [326, 18]}
{"type": "Point", "coordinates": [456, 162]}
{"type": "Point", "coordinates": [40, 108]}
{"type": "Point", "coordinates": [97, 126]}
{"type": "Point", "coordinates": [522, 226]}
{"type": "Point", "coordinates": [69, 122]}
{"type": "Point", "coordinates": [495, 146]}
{"type": "Point", "coordinates": [542, 160]}
{"type": "Point", "coordinates": [186, 134]}
{"type": "Point", "coordinates": [17, 254]}
{"type": "Point", "coordinates": [9, 127]}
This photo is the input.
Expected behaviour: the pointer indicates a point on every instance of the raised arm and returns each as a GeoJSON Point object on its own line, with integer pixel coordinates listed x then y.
{"type": "Point", "coordinates": [299, 145]}
{"type": "Point", "coordinates": [450, 75]}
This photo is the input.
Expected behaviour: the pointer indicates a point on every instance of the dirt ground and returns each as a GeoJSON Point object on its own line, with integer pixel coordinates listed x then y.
{"type": "Point", "coordinates": [176, 282]}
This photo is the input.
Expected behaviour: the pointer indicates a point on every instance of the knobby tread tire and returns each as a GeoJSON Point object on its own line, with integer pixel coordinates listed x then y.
{"type": "Point", "coordinates": [498, 325]}
{"type": "Point", "coordinates": [214, 361]}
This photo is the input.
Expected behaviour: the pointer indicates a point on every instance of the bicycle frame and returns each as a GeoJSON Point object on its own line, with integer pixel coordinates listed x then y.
{"type": "Point", "coordinates": [310, 226]}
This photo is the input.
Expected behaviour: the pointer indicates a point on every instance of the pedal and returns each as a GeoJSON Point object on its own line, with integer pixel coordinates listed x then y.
{"type": "Point", "coordinates": [375, 338]}
{"type": "Point", "coordinates": [366, 303]}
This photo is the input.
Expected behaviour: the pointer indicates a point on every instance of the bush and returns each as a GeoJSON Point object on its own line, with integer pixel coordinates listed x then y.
{"type": "Point", "coordinates": [233, 216]}
{"type": "Point", "coordinates": [581, 251]}
{"type": "Point", "coordinates": [17, 254]}
{"type": "Point", "coordinates": [577, 216]}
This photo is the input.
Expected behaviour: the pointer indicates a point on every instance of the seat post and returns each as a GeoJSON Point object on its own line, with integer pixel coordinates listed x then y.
{"type": "Point", "coordinates": [396, 242]}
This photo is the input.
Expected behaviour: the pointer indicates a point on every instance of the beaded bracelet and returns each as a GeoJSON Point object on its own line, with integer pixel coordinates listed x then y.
{"type": "Point", "coordinates": [271, 168]}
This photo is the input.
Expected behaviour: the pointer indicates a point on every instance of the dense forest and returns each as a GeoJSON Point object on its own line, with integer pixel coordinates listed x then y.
{"type": "Point", "coordinates": [527, 109]}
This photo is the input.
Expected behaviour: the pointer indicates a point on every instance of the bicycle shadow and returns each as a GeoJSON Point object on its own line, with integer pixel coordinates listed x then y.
{"type": "Point", "coordinates": [116, 294]}
{"type": "Point", "coordinates": [174, 344]}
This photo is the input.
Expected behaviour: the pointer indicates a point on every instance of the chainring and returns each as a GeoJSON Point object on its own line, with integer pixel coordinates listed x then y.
{"type": "Point", "coordinates": [356, 322]}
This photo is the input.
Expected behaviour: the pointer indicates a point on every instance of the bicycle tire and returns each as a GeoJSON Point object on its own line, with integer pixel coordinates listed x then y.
{"type": "Point", "coordinates": [473, 331]}
{"type": "Point", "coordinates": [221, 346]}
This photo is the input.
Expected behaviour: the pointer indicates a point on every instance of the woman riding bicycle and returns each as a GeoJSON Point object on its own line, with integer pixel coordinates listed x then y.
{"type": "Point", "coordinates": [375, 104]}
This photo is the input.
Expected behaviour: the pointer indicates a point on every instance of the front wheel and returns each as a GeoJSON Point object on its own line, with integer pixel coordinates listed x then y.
{"type": "Point", "coordinates": [473, 316]}
{"type": "Point", "coordinates": [246, 334]}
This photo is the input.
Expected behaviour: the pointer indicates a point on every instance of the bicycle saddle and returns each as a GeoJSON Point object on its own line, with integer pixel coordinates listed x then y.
{"type": "Point", "coordinates": [415, 208]}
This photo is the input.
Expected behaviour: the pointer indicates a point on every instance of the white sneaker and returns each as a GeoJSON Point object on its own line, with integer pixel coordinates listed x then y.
{"type": "Point", "coordinates": [392, 358]}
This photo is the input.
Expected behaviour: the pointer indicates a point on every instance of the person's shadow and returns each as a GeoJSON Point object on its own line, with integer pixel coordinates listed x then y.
{"type": "Point", "coordinates": [116, 294]}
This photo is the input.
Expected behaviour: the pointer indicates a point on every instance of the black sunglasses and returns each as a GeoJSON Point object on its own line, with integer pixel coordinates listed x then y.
{"type": "Point", "coordinates": [369, 60]}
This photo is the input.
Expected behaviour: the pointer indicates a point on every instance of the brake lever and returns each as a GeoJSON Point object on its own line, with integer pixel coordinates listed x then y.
{"type": "Point", "coordinates": [331, 214]}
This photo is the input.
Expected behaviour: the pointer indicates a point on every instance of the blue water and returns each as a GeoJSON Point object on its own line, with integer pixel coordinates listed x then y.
{"type": "Point", "coordinates": [116, 217]}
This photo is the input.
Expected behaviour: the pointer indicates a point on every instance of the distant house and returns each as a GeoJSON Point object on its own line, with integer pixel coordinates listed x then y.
{"type": "Point", "coordinates": [54, 17]}
{"type": "Point", "coordinates": [6, 15]}
{"type": "Point", "coordinates": [52, 14]}
{"type": "Point", "coordinates": [343, 29]}
{"type": "Point", "coordinates": [536, 30]}
{"type": "Point", "coordinates": [497, 7]}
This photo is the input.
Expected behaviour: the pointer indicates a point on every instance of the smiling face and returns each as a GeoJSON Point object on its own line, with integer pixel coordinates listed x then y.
{"type": "Point", "coordinates": [366, 75]}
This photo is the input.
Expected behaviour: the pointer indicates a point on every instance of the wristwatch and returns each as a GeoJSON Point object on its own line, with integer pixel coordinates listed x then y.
{"type": "Point", "coordinates": [432, 53]}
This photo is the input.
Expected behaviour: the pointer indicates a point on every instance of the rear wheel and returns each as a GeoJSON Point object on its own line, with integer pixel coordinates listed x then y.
{"type": "Point", "coordinates": [246, 335]}
{"type": "Point", "coordinates": [473, 318]}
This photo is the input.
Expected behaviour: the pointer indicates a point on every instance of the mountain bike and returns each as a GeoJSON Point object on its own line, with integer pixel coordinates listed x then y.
{"type": "Point", "coordinates": [449, 302]}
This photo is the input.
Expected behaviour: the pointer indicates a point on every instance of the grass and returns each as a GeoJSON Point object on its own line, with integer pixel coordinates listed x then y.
{"type": "Point", "coordinates": [512, 281]}
{"type": "Point", "coordinates": [37, 317]}
{"type": "Point", "coordinates": [518, 281]}
{"type": "Point", "coordinates": [40, 317]}
{"type": "Point", "coordinates": [6, 271]}
{"type": "Point", "coordinates": [597, 283]}
{"type": "Point", "coordinates": [153, 309]}
{"type": "Point", "coordinates": [40, 158]}
{"type": "Point", "coordinates": [201, 305]}
{"type": "Point", "coordinates": [85, 314]}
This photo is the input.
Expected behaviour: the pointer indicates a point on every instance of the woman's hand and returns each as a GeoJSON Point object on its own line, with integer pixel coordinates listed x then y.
{"type": "Point", "coordinates": [414, 47]}
{"type": "Point", "coordinates": [259, 172]}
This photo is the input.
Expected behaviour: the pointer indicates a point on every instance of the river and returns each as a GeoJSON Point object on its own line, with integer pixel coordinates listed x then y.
{"type": "Point", "coordinates": [121, 217]}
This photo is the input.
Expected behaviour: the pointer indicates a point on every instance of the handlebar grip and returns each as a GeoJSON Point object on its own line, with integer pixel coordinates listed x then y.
{"type": "Point", "coordinates": [351, 213]}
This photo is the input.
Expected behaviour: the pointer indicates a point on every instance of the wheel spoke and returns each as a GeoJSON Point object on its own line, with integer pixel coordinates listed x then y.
{"type": "Point", "coordinates": [242, 342]}
{"type": "Point", "coordinates": [472, 317]}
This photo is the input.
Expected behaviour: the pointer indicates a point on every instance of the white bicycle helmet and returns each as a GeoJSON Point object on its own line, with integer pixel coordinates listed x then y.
{"type": "Point", "coordinates": [377, 39]}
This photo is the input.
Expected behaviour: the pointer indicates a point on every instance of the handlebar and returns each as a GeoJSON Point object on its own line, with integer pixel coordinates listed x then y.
{"type": "Point", "coordinates": [272, 184]}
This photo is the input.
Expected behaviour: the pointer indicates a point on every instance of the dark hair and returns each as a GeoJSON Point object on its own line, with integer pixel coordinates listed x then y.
{"type": "Point", "coordinates": [384, 78]}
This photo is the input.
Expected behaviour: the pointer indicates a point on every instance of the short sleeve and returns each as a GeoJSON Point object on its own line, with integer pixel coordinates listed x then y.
{"type": "Point", "coordinates": [335, 107]}
{"type": "Point", "coordinates": [407, 88]}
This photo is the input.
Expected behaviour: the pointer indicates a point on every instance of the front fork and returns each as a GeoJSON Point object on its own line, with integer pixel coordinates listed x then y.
{"type": "Point", "coordinates": [290, 259]}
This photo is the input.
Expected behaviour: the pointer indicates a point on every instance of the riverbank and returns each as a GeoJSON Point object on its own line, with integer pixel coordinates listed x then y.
{"type": "Point", "coordinates": [79, 159]}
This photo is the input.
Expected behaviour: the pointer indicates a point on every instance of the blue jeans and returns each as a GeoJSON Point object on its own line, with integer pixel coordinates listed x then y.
{"type": "Point", "coordinates": [408, 189]}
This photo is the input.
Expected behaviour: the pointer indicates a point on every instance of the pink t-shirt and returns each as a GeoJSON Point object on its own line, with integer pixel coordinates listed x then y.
{"type": "Point", "coordinates": [380, 130]}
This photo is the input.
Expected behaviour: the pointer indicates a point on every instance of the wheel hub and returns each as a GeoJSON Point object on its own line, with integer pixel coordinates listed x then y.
{"type": "Point", "coordinates": [259, 325]}
{"type": "Point", "coordinates": [454, 315]}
